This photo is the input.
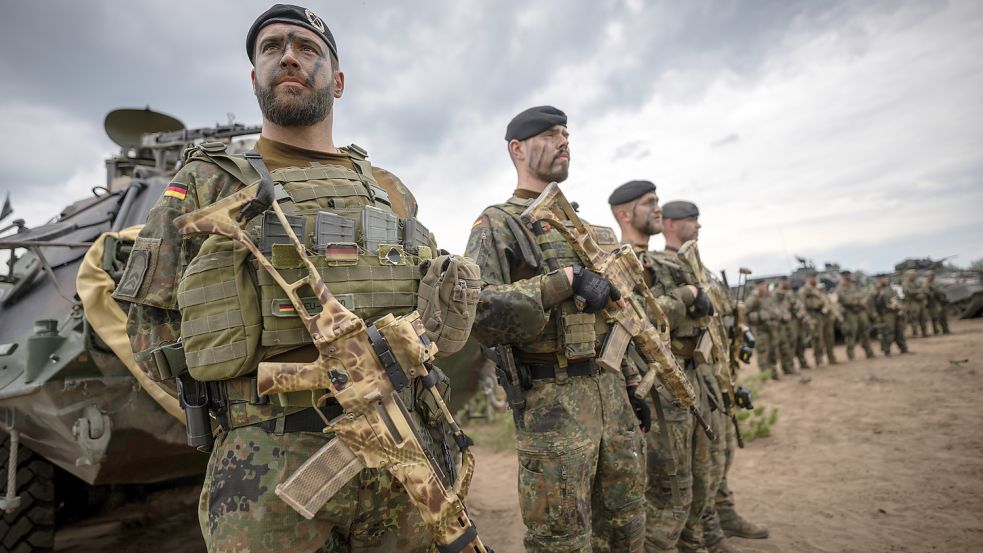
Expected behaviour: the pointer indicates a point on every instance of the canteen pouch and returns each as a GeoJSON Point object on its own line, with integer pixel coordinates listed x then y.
{"type": "Point", "coordinates": [447, 300]}
{"type": "Point", "coordinates": [577, 335]}
{"type": "Point", "coordinates": [220, 320]}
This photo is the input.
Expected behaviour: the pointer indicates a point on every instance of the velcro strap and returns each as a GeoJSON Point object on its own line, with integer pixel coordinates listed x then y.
{"type": "Point", "coordinates": [218, 354]}
{"type": "Point", "coordinates": [211, 323]}
{"type": "Point", "coordinates": [212, 292]}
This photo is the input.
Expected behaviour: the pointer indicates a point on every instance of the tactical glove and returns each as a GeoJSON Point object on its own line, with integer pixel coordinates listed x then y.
{"type": "Point", "coordinates": [591, 290]}
{"type": "Point", "coordinates": [701, 306]}
{"type": "Point", "coordinates": [641, 410]}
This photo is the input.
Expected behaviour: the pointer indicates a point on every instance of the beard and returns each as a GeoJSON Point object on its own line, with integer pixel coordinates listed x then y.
{"type": "Point", "coordinates": [554, 174]}
{"type": "Point", "coordinates": [291, 107]}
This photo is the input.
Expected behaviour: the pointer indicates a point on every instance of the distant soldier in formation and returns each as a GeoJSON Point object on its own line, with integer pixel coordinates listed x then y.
{"type": "Point", "coordinates": [798, 327]}
{"type": "Point", "coordinates": [765, 318]}
{"type": "Point", "coordinates": [818, 307]}
{"type": "Point", "coordinates": [856, 321]}
{"type": "Point", "coordinates": [889, 313]}
{"type": "Point", "coordinates": [936, 304]}
{"type": "Point", "coordinates": [915, 300]}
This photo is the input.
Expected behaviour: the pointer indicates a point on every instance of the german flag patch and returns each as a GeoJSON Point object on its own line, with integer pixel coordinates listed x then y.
{"type": "Point", "coordinates": [176, 190]}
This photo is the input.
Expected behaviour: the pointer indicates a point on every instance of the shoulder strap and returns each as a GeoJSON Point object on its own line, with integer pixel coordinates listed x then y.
{"type": "Point", "coordinates": [530, 252]}
{"type": "Point", "coordinates": [233, 164]}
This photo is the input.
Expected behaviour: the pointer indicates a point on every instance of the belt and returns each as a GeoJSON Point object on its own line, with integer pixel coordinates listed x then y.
{"type": "Point", "coordinates": [303, 421]}
{"type": "Point", "coordinates": [539, 371]}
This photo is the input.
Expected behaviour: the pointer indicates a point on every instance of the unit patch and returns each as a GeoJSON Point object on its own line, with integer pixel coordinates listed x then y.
{"type": "Point", "coordinates": [136, 268]}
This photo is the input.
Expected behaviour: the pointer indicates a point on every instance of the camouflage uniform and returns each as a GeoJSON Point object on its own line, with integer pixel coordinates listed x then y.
{"type": "Point", "coordinates": [890, 315]}
{"type": "Point", "coordinates": [803, 325]}
{"type": "Point", "coordinates": [676, 522]}
{"type": "Point", "coordinates": [817, 307]}
{"type": "Point", "coordinates": [856, 321]}
{"type": "Point", "coordinates": [915, 300]}
{"type": "Point", "coordinates": [581, 454]}
{"type": "Point", "coordinates": [257, 449]}
{"type": "Point", "coordinates": [936, 305]}
{"type": "Point", "coordinates": [765, 319]}
{"type": "Point", "coordinates": [788, 333]}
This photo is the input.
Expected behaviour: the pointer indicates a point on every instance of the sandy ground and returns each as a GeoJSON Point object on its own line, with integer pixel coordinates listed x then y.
{"type": "Point", "coordinates": [882, 455]}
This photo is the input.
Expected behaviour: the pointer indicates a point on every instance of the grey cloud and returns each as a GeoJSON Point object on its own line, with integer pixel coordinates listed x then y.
{"type": "Point", "coordinates": [732, 138]}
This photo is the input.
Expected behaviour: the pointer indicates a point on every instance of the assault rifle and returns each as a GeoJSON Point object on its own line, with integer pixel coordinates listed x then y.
{"type": "Point", "coordinates": [726, 354]}
{"type": "Point", "coordinates": [631, 323]}
{"type": "Point", "coordinates": [363, 368]}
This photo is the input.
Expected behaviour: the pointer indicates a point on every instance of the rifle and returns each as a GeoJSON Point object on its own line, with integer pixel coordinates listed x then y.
{"type": "Point", "coordinates": [625, 273]}
{"type": "Point", "coordinates": [363, 368]}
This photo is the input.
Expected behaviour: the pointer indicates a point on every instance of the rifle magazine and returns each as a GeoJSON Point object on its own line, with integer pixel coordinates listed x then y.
{"type": "Point", "coordinates": [319, 478]}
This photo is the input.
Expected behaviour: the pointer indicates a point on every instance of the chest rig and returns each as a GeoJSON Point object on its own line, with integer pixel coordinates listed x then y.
{"type": "Point", "coordinates": [672, 273]}
{"type": "Point", "coordinates": [570, 334]}
{"type": "Point", "coordinates": [367, 255]}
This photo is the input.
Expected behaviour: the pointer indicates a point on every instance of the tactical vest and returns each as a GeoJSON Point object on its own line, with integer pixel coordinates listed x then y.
{"type": "Point", "coordinates": [234, 314]}
{"type": "Point", "coordinates": [684, 335]}
{"type": "Point", "coordinates": [571, 334]}
{"type": "Point", "coordinates": [813, 301]}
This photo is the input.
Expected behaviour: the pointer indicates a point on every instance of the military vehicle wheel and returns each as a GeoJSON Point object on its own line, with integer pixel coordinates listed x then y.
{"type": "Point", "coordinates": [31, 528]}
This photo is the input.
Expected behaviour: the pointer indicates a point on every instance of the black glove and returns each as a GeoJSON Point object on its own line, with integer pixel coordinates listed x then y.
{"type": "Point", "coordinates": [701, 306]}
{"type": "Point", "coordinates": [592, 290]}
{"type": "Point", "coordinates": [642, 412]}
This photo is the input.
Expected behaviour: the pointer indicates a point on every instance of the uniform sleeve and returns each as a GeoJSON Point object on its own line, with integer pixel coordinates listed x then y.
{"type": "Point", "coordinates": [159, 256]}
{"type": "Point", "coordinates": [509, 312]}
{"type": "Point", "coordinates": [671, 298]}
{"type": "Point", "coordinates": [403, 201]}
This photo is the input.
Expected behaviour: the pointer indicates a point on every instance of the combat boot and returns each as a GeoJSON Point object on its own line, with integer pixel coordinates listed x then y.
{"type": "Point", "coordinates": [734, 525]}
{"type": "Point", "coordinates": [723, 546]}
{"type": "Point", "coordinates": [804, 364]}
{"type": "Point", "coordinates": [849, 355]}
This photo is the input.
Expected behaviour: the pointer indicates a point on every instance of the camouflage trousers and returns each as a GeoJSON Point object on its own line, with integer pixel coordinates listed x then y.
{"type": "Point", "coordinates": [940, 318]}
{"type": "Point", "coordinates": [238, 510]}
{"type": "Point", "coordinates": [672, 516]}
{"type": "Point", "coordinates": [891, 330]}
{"type": "Point", "coordinates": [786, 345]}
{"type": "Point", "coordinates": [918, 318]}
{"type": "Point", "coordinates": [766, 348]}
{"type": "Point", "coordinates": [856, 327]}
{"type": "Point", "coordinates": [581, 467]}
{"type": "Point", "coordinates": [705, 488]}
{"type": "Point", "coordinates": [823, 337]}
{"type": "Point", "coordinates": [722, 504]}
{"type": "Point", "coordinates": [799, 331]}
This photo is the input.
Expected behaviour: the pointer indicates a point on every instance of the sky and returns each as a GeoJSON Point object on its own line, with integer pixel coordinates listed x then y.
{"type": "Point", "coordinates": [837, 131]}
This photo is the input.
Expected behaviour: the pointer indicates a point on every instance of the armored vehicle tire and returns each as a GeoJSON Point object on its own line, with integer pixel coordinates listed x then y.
{"type": "Point", "coordinates": [31, 528]}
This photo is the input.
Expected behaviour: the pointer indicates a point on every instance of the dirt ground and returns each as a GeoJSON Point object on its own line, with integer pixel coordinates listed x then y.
{"type": "Point", "coordinates": [882, 455]}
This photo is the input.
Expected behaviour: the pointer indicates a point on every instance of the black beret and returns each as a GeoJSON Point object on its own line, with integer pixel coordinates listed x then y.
{"type": "Point", "coordinates": [533, 121]}
{"type": "Point", "coordinates": [680, 209]}
{"type": "Point", "coordinates": [291, 15]}
{"type": "Point", "coordinates": [631, 190]}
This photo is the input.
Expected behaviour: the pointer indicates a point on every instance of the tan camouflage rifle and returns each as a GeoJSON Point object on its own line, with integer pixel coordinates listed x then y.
{"type": "Point", "coordinates": [631, 322]}
{"type": "Point", "coordinates": [363, 368]}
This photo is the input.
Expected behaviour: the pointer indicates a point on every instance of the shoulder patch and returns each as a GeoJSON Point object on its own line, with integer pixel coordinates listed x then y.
{"type": "Point", "coordinates": [176, 190]}
{"type": "Point", "coordinates": [136, 269]}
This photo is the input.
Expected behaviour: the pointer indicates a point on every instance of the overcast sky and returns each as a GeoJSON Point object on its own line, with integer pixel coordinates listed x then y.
{"type": "Point", "coordinates": [839, 131]}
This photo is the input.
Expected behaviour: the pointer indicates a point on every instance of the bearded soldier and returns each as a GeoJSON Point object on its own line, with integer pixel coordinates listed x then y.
{"type": "Point", "coordinates": [581, 453]}
{"type": "Point", "coordinates": [890, 314]}
{"type": "Point", "coordinates": [856, 322]}
{"type": "Point", "coordinates": [203, 311]}
{"type": "Point", "coordinates": [915, 300]}
{"type": "Point", "coordinates": [818, 307]}
{"type": "Point", "coordinates": [936, 304]}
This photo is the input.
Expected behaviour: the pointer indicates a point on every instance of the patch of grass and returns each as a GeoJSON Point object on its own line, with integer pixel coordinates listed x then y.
{"type": "Point", "coordinates": [497, 433]}
{"type": "Point", "coordinates": [757, 423]}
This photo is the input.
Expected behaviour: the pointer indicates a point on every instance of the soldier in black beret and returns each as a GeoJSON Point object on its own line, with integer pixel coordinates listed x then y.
{"type": "Point", "coordinates": [635, 207]}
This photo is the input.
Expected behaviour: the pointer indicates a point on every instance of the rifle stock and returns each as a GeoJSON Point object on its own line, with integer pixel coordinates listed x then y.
{"type": "Point", "coordinates": [363, 368]}
{"type": "Point", "coordinates": [623, 270]}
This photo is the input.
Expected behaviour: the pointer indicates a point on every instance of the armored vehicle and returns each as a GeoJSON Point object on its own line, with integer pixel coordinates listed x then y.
{"type": "Point", "coordinates": [76, 413]}
{"type": "Point", "coordinates": [963, 288]}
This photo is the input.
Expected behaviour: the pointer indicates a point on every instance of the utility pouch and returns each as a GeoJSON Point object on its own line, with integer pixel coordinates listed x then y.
{"type": "Point", "coordinates": [330, 228]}
{"type": "Point", "coordinates": [378, 227]}
{"type": "Point", "coordinates": [577, 335]}
{"type": "Point", "coordinates": [415, 235]}
{"type": "Point", "coordinates": [220, 318]}
{"type": "Point", "coordinates": [447, 300]}
{"type": "Point", "coordinates": [703, 354]}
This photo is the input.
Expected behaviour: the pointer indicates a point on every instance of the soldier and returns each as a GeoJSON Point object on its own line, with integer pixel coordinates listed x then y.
{"type": "Point", "coordinates": [788, 330]}
{"type": "Point", "coordinates": [581, 454]}
{"type": "Point", "coordinates": [890, 316]}
{"type": "Point", "coordinates": [766, 321]}
{"type": "Point", "coordinates": [674, 520]}
{"type": "Point", "coordinates": [213, 314]}
{"type": "Point", "coordinates": [801, 325]}
{"type": "Point", "coordinates": [856, 322]}
{"type": "Point", "coordinates": [818, 307]}
{"type": "Point", "coordinates": [936, 304]}
{"type": "Point", "coordinates": [915, 300]}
